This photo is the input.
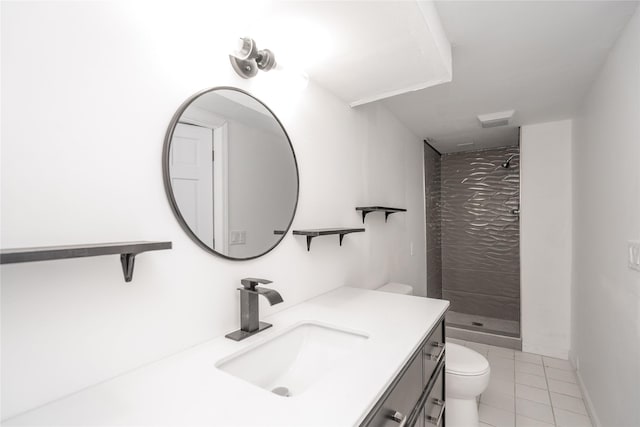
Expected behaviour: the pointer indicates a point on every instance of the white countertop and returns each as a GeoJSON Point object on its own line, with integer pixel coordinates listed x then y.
{"type": "Point", "coordinates": [187, 388]}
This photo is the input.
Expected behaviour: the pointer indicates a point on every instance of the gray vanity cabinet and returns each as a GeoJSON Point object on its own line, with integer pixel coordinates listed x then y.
{"type": "Point", "coordinates": [416, 396]}
{"type": "Point", "coordinates": [432, 353]}
{"type": "Point", "coordinates": [397, 407]}
{"type": "Point", "coordinates": [432, 414]}
{"type": "Point", "coordinates": [431, 404]}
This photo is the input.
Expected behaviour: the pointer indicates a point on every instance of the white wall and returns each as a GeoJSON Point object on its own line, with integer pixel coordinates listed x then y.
{"type": "Point", "coordinates": [606, 293]}
{"type": "Point", "coordinates": [262, 190]}
{"type": "Point", "coordinates": [88, 89]}
{"type": "Point", "coordinates": [545, 237]}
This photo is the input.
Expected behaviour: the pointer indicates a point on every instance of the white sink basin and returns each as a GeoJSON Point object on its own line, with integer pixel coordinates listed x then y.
{"type": "Point", "coordinates": [289, 363]}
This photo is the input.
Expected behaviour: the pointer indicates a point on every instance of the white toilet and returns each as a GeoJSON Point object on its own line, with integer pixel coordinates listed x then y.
{"type": "Point", "coordinates": [397, 288]}
{"type": "Point", "coordinates": [466, 375]}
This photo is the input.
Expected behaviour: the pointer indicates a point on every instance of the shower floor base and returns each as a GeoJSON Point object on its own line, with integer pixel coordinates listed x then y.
{"type": "Point", "coordinates": [485, 330]}
{"type": "Point", "coordinates": [514, 343]}
{"type": "Point", "coordinates": [491, 325]}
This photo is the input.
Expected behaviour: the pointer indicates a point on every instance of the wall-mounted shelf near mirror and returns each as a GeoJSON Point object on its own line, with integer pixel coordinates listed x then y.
{"type": "Point", "coordinates": [310, 234]}
{"type": "Point", "coordinates": [387, 211]}
{"type": "Point", "coordinates": [127, 251]}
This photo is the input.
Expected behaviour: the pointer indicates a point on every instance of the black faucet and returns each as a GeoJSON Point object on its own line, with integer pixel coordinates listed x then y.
{"type": "Point", "coordinates": [249, 315]}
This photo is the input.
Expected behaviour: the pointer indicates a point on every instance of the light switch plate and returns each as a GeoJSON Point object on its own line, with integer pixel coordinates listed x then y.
{"type": "Point", "coordinates": [237, 237]}
{"type": "Point", "coordinates": [634, 255]}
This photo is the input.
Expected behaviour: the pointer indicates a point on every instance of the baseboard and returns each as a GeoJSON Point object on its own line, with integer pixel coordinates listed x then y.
{"type": "Point", "coordinates": [585, 394]}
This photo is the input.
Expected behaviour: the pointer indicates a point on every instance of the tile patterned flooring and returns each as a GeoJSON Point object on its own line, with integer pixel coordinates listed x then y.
{"type": "Point", "coordinates": [529, 390]}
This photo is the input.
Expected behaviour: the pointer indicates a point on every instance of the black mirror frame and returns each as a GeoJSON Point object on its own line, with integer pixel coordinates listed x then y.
{"type": "Point", "coordinates": [167, 178]}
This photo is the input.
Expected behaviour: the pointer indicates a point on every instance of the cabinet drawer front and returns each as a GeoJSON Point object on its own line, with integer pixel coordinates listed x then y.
{"type": "Point", "coordinates": [432, 352]}
{"type": "Point", "coordinates": [402, 399]}
{"type": "Point", "coordinates": [434, 407]}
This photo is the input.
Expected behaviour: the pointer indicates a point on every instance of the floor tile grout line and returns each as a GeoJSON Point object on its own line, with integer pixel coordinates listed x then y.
{"type": "Point", "coordinates": [514, 389]}
{"type": "Point", "coordinates": [515, 383]}
{"type": "Point", "coordinates": [553, 412]}
{"type": "Point", "coordinates": [528, 400]}
{"type": "Point", "coordinates": [513, 412]}
{"type": "Point", "coordinates": [563, 381]}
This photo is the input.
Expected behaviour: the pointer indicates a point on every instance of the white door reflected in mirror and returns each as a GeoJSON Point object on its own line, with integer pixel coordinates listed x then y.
{"type": "Point", "coordinates": [191, 171]}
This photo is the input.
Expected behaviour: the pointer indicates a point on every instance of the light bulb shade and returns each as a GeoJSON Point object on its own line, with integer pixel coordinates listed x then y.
{"type": "Point", "coordinates": [245, 49]}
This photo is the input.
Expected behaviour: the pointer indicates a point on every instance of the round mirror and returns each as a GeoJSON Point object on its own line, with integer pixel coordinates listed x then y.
{"type": "Point", "coordinates": [230, 173]}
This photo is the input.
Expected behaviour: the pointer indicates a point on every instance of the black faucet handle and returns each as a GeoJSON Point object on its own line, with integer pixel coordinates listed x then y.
{"type": "Point", "coordinates": [250, 283]}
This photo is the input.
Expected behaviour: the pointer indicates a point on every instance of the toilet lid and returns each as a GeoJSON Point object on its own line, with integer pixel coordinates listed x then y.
{"type": "Point", "coordinates": [464, 361]}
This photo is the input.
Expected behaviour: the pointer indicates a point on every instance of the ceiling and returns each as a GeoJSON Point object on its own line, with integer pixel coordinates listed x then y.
{"type": "Point", "coordinates": [362, 51]}
{"type": "Point", "coordinates": [537, 58]}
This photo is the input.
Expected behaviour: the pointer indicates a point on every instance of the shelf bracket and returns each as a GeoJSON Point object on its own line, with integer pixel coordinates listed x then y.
{"type": "Point", "coordinates": [386, 215]}
{"type": "Point", "coordinates": [127, 261]}
{"type": "Point", "coordinates": [310, 234]}
{"type": "Point", "coordinates": [387, 211]}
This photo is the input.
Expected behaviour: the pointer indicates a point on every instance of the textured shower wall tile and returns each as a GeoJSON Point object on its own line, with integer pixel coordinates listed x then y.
{"type": "Point", "coordinates": [482, 282]}
{"type": "Point", "coordinates": [473, 257]}
{"type": "Point", "coordinates": [434, 260]}
{"type": "Point", "coordinates": [483, 305]}
{"type": "Point", "coordinates": [500, 229]}
{"type": "Point", "coordinates": [434, 273]}
{"type": "Point", "coordinates": [434, 285]}
{"type": "Point", "coordinates": [480, 237]}
{"type": "Point", "coordinates": [432, 163]}
{"type": "Point", "coordinates": [433, 236]}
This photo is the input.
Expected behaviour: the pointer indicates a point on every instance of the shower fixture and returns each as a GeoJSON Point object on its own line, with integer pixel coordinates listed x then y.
{"type": "Point", "coordinates": [507, 164]}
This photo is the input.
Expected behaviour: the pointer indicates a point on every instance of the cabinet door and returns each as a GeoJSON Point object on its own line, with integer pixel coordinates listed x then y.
{"type": "Point", "coordinates": [420, 420]}
{"type": "Point", "coordinates": [402, 400]}
{"type": "Point", "coordinates": [432, 352]}
{"type": "Point", "coordinates": [434, 406]}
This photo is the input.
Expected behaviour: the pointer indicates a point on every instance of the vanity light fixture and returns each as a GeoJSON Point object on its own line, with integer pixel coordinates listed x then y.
{"type": "Point", "coordinates": [246, 60]}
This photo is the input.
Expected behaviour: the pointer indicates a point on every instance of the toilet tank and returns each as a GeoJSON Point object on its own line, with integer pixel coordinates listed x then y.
{"type": "Point", "coordinates": [397, 288]}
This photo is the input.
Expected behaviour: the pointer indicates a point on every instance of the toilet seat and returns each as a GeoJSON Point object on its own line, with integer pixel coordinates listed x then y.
{"type": "Point", "coordinates": [463, 361]}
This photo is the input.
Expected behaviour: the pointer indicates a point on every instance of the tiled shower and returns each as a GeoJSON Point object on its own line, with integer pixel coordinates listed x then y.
{"type": "Point", "coordinates": [473, 237]}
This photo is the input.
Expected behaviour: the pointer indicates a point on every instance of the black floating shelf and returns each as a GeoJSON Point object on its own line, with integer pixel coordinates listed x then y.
{"type": "Point", "coordinates": [326, 232]}
{"type": "Point", "coordinates": [387, 211]}
{"type": "Point", "coordinates": [127, 251]}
